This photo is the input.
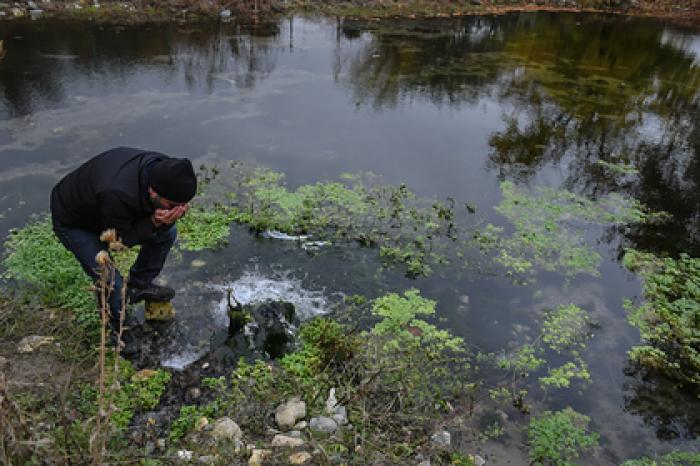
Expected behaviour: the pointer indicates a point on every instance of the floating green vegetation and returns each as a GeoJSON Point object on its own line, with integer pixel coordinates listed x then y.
{"type": "Point", "coordinates": [559, 437]}
{"type": "Point", "coordinates": [550, 227]}
{"type": "Point", "coordinates": [393, 379]}
{"type": "Point", "coordinates": [203, 228]}
{"type": "Point", "coordinates": [674, 458]}
{"type": "Point", "coordinates": [566, 327]}
{"type": "Point", "coordinates": [417, 233]}
{"type": "Point", "coordinates": [564, 331]}
{"type": "Point", "coordinates": [35, 256]}
{"type": "Point", "coordinates": [668, 319]}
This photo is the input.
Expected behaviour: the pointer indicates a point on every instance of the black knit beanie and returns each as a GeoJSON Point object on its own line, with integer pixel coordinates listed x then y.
{"type": "Point", "coordinates": [174, 179]}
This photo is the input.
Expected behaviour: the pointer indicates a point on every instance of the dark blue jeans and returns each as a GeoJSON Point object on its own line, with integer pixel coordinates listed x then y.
{"type": "Point", "coordinates": [86, 244]}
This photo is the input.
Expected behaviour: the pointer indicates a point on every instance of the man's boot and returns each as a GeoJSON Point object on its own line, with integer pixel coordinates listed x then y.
{"type": "Point", "coordinates": [151, 292]}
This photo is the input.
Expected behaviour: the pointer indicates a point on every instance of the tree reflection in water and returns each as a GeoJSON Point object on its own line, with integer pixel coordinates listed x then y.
{"type": "Point", "coordinates": [576, 91]}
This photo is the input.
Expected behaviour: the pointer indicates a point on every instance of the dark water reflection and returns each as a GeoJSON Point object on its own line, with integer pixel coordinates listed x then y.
{"type": "Point", "coordinates": [449, 107]}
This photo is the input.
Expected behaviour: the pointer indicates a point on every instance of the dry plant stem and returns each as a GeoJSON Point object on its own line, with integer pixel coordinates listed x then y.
{"type": "Point", "coordinates": [99, 438]}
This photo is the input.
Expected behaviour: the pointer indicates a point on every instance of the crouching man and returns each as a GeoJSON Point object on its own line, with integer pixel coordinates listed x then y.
{"type": "Point", "coordinates": [140, 194]}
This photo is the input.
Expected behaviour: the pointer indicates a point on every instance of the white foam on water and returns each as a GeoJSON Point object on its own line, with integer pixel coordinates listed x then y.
{"type": "Point", "coordinates": [253, 287]}
{"type": "Point", "coordinates": [274, 234]}
{"type": "Point", "coordinates": [183, 359]}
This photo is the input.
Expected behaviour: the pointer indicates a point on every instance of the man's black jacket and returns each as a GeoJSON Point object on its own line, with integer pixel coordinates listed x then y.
{"type": "Point", "coordinates": [108, 191]}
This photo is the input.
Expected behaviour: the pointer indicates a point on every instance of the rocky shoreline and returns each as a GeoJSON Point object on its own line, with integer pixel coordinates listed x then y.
{"type": "Point", "coordinates": [683, 11]}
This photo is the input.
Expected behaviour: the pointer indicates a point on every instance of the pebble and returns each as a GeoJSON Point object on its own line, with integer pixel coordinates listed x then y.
{"type": "Point", "coordinates": [286, 441]}
{"type": "Point", "coordinates": [258, 457]}
{"type": "Point", "coordinates": [225, 428]}
{"type": "Point", "coordinates": [288, 413]}
{"type": "Point", "coordinates": [301, 457]}
{"type": "Point", "coordinates": [323, 424]}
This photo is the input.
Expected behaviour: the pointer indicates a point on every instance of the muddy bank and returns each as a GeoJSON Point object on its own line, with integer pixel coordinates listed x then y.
{"type": "Point", "coordinates": [683, 11]}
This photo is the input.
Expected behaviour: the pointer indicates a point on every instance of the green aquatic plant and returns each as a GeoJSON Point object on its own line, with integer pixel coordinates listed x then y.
{"type": "Point", "coordinates": [674, 458]}
{"type": "Point", "coordinates": [667, 319]}
{"type": "Point", "coordinates": [203, 228]}
{"type": "Point", "coordinates": [550, 225]}
{"type": "Point", "coordinates": [409, 231]}
{"type": "Point", "coordinates": [560, 377]}
{"type": "Point", "coordinates": [566, 327]}
{"type": "Point", "coordinates": [559, 437]}
{"type": "Point", "coordinates": [564, 330]}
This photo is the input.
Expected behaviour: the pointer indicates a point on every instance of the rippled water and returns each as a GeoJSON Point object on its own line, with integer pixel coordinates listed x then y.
{"type": "Point", "coordinates": [449, 107]}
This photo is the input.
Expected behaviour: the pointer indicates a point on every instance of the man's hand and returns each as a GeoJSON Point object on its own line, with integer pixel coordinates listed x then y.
{"type": "Point", "coordinates": [169, 216]}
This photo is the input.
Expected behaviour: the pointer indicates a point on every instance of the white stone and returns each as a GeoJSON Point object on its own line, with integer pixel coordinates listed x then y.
{"type": "Point", "coordinates": [331, 402]}
{"type": "Point", "coordinates": [32, 342]}
{"type": "Point", "coordinates": [288, 413]}
{"type": "Point", "coordinates": [441, 439]}
{"type": "Point", "coordinates": [286, 441]}
{"type": "Point", "coordinates": [301, 425]}
{"type": "Point", "coordinates": [184, 454]}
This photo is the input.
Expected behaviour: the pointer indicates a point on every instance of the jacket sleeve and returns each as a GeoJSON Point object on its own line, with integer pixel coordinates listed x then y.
{"type": "Point", "coordinates": [115, 213]}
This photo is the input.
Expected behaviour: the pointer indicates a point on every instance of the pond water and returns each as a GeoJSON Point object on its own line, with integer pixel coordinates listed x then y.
{"type": "Point", "coordinates": [450, 107]}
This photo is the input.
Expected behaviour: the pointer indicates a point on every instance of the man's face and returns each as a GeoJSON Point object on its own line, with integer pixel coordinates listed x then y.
{"type": "Point", "coordinates": [161, 202]}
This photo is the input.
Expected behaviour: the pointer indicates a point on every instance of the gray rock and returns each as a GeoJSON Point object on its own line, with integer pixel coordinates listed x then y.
{"type": "Point", "coordinates": [441, 439]}
{"type": "Point", "coordinates": [294, 433]}
{"type": "Point", "coordinates": [288, 413]}
{"type": "Point", "coordinates": [286, 441]}
{"type": "Point", "coordinates": [478, 460]}
{"type": "Point", "coordinates": [3, 361]}
{"type": "Point", "coordinates": [32, 5]}
{"type": "Point", "coordinates": [225, 428]}
{"type": "Point", "coordinates": [323, 424]}
{"type": "Point", "coordinates": [225, 13]}
{"type": "Point", "coordinates": [207, 459]}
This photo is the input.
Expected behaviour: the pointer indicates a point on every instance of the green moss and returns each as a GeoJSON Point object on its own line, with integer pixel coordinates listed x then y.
{"type": "Point", "coordinates": [668, 318]}
{"type": "Point", "coordinates": [559, 437]}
